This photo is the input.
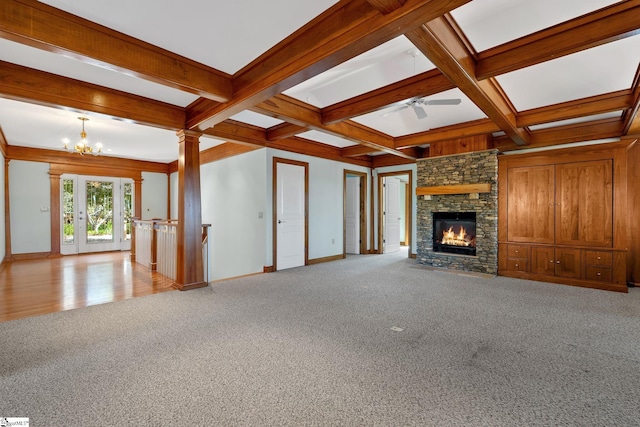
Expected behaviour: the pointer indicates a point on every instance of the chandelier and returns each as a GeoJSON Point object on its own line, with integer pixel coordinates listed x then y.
{"type": "Point", "coordinates": [82, 146]}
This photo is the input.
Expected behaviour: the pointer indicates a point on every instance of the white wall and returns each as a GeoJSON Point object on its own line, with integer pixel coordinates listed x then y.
{"type": "Point", "coordinates": [29, 195]}
{"type": "Point", "coordinates": [3, 220]}
{"type": "Point", "coordinates": [326, 199]}
{"type": "Point", "coordinates": [414, 177]}
{"type": "Point", "coordinates": [233, 199]}
{"type": "Point", "coordinates": [154, 195]}
{"type": "Point", "coordinates": [173, 182]}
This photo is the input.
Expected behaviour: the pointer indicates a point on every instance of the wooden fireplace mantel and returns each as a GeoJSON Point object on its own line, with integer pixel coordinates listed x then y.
{"type": "Point", "coordinates": [453, 189]}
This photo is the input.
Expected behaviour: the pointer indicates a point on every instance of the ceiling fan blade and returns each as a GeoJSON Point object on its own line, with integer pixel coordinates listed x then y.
{"type": "Point", "coordinates": [452, 101]}
{"type": "Point", "coordinates": [420, 113]}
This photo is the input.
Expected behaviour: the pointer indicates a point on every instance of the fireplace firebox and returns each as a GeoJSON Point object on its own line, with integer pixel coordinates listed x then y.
{"type": "Point", "coordinates": [454, 232]}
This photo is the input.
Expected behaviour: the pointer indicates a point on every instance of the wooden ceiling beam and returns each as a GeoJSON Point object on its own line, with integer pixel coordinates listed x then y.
{"type": "Point", "coordinates": [16, 152]}
{"type": "Point", "coordinates": [632, 116]}
{"type": "Point", "coordinates": [439, 42]}
{"type": "Point", "coordinates": [284, 130]}
{"type": "Point", "coordinates": [384, 160]}
{"type": "Point", "coordinates": [446, 133]}
{"type": "Point", "coordinates": [44, 27]}
{"type": "Point", "coordinates": [39, 87]}
{"type": "Point", "coordinates": [579, 132]}
{"type": "Point", "coordinates": [611, 23]}
{"type": "Point", "coordinates": [424, 84]}
{"type": "Point", "coordinates": [358, 150]}
{"type": "Point", "coordinates": [349, 28]}
{"type": "Point", "coordinates": [386, 6]}
{"type": "Point", "coordinates": [293, 111]}
{"type": "Point", "coordinates": [316, 149]}
{"type": "Point", "coordinates": [613, 101]}
{"type": "Point", "coordinates": [223, 151]}
{"type": "Point", "coordinates": [239, 133]}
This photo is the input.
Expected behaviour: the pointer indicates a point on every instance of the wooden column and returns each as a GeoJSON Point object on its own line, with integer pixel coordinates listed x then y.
{"type": "Point", "coordinates": [54, 212]}
{"type": "Point", "coordinates": [190, 273]}
{"type": "Point", "coordinates": [7, 213]}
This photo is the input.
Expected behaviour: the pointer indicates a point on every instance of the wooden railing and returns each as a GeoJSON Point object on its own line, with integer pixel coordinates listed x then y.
{"type": "Point", "coordinates": [155, 245]}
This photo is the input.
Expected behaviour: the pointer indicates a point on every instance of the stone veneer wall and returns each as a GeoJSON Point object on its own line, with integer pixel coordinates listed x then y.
{"type": "Point", "coordinates": [469, 168]}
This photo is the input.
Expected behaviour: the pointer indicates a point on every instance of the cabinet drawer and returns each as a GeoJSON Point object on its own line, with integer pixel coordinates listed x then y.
{"type": "Point", "coordinates": [599, 258]}
{"type": "Point", "coordinates": [517, 264]}
{"type": "Point", "coordinates": [516, 251]}
{"type": "Point", "coordinates": [599, 274]}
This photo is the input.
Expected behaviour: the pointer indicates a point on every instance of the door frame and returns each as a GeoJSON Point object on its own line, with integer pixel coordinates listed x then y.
{"type": "Point", "coordinates": [363, 211]}
{"type": "Point", "coordinates": [274, 216]}
{"type": "Point", "coordinates": [408, 208]}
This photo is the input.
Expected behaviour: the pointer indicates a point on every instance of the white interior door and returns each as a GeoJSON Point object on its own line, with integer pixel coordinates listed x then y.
{"type": "Point", "coordinates": [96, 214]}
{"type": "Point", "coordinates": [290, 216]}
{"type": "Point", "coordinates": [391, 214]}
{"type": "Point", "coordinates": [352, 215]}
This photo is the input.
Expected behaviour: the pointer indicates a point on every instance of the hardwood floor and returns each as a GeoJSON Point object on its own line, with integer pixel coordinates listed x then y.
{"type": "Point", "coordinates": [40, 286]}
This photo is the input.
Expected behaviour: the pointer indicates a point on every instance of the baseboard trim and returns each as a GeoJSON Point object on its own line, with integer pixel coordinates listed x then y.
{"type": "Point", "coordinates": [190, 286]}
{"type": "Point", "coordinates": [326, 259]}
{"type": "Point", "coordinates": [235, 277]}
{"type": "Point", "coordinates": [32, 255]}
{"type": "Point", "coordinates": [268, 269]}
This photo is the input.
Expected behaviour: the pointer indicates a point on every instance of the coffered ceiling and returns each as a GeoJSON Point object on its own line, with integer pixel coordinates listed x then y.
{"type": "Point", "coordinates": [328, 78]}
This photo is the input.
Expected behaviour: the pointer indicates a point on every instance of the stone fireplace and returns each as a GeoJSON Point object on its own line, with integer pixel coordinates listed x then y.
{"type": "Point", "coordinates": [460, 208]}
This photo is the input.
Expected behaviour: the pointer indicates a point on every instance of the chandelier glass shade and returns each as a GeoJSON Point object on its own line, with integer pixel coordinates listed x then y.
{"type": "Point", "coordinates": [82, 146]}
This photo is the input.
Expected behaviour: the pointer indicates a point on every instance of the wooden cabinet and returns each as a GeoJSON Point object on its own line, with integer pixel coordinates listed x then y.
{"type": "Point", "coordinates": [598, 266]}
{"type": "Point", "coordinates": [517, 258]}
{"type": "Point", "coordinates": [531, 204]}
{"type": "Point", "coordinates": [584, 204]}
{"type": "Point", "coordinates": [553, 261]}
{"type": "Point", "coordinates": [561, 216]}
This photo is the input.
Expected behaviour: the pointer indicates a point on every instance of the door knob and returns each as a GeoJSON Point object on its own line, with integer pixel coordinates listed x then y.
{"type": "Point", "coordinates": [279, 221]}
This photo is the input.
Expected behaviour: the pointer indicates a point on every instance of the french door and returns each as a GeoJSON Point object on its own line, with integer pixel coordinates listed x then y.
{"type": "Point", "coordinates": [96, 214]}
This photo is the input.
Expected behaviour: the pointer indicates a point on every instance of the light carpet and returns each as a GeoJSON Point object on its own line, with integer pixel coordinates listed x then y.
{"type": "Point", "coordinates": [369, 340]}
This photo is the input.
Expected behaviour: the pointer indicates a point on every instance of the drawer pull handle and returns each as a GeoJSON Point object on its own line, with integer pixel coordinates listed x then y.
{"type": "Point", "coordinates": [517, 265]}
{"type": "Point", "coordinates": [516, 251]}
{"type": "Point", "coordinates": [598, 274]}
{"type": "Point", "coordinates": [557, 262]}
{"type": "Point", "coordinates": [598, 258]}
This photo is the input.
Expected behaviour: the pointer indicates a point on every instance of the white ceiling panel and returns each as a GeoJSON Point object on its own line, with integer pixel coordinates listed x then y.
{"type": "Point", "coordinates": [488, 23]}
{"type": "Point", "coordinates": [256, 119]}
{"type": "Point", "coordinates": [388, 63]}
{"type": "Point", "coordinates": [603, 69]}
{"type": "Point", "coordinates": [201, 29]}
{"type": "Point", "coordinates": [325, 138]}
{"type": "Point", "coordinates": [405, 122]}
{"type": "Point", "coordinates": [30, 125]}
{"type": "Point", "coordinates": [57, 64]}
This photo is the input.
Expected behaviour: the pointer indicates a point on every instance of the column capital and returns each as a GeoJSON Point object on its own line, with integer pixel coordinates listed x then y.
{"type": "Point", "coordinates": [183, 134]}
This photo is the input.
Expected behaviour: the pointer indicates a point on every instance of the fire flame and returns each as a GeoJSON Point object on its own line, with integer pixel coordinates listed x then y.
{"type": "Point", "coordinates": [449, 237]}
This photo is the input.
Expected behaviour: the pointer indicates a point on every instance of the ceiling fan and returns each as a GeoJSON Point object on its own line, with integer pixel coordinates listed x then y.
{"type": "Point", "coordinates": [417, 106]}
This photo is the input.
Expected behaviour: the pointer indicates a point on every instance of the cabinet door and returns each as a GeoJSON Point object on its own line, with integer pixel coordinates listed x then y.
{"type": "Point", "coordinates": [543, 260]}
{"type": "Point", "coordinates": [568, 262]}
{"type": "Point", "coordinates": [530, 204]}
{"type": "Point", "coordinates": [584, 194]}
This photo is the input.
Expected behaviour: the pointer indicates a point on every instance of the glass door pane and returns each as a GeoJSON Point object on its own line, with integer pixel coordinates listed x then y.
{"type": "Point", "coordinates": [127, 189]}
{"type": "Point", "coordinates": [68, 212]}
{"type": "Point", "coordinates": [99, 212]}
